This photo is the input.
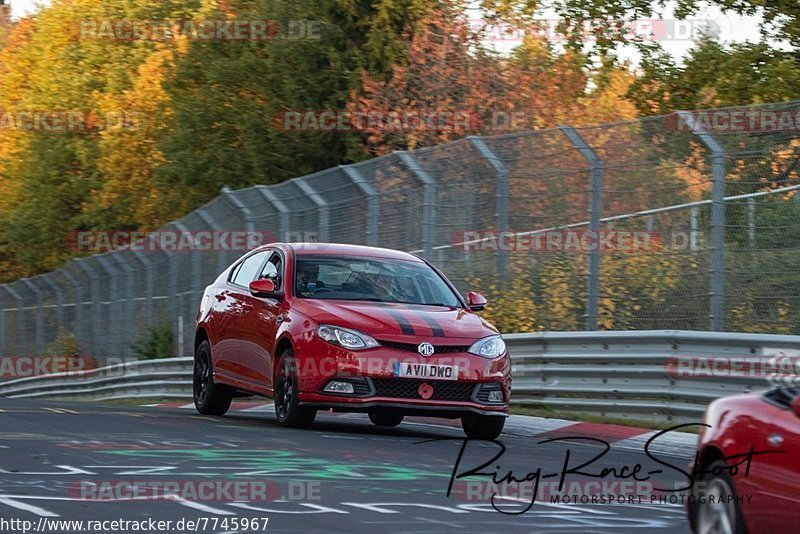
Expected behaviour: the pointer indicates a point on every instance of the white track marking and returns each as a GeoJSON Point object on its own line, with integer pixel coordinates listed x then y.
{"type": "Point", "coordinates": [41, 512]}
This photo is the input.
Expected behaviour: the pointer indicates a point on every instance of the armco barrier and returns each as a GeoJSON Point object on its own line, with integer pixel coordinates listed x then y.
{"type": "Point", "coordinates": [637, 375]}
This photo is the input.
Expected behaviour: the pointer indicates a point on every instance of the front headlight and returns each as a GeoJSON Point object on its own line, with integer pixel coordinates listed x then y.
{"type": "Point", "coordinates": [488, 347]}
{"type": "Point", "coordinates": [344, 337]}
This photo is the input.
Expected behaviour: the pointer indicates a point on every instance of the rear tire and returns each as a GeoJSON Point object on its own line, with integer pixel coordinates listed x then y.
{"type": "Point", "coordinates": [209, 398]}
{"type": "Point", "coordinates": [720, 517]}
{"type": "Point", "coordinates": [483, 426]}
{"type": "Point", "coordinates": [287, 403]}
{"type": "Point", "coordinates": [385, 419]}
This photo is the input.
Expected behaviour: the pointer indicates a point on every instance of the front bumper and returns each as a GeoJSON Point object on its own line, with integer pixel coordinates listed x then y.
{"type": "Point", "coordinates": [376, 387]}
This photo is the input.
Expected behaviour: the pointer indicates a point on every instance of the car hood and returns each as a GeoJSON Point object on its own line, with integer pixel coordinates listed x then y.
{"type": "Point", "coordinates": [394, 321]}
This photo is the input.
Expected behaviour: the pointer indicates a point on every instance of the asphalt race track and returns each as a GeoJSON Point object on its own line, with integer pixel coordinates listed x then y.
{"type": "Point", "coordinates": [344, 475]}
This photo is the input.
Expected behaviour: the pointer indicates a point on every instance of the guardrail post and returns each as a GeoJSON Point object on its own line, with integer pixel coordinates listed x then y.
{"type": "Point", "coordinates": [373, 202]}
{"type": "Point", "coordinates": [595, 208]}
{"type": "Point", "coordinates": [429, 200]}
{"type": "Point", "coordinates": [320, 203]}
{"type": "Point", "coordinates": [501, 193]}
{"type": "Point", "coordinates": [39, 320]}
{"type": "Point", "coordinates": [280, 207]}
{"type": "Point", "coordinates": [717, 305]}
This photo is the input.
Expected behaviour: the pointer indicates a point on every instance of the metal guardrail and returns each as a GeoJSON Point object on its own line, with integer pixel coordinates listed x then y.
{"type": "Point", "coordinates": [636, 375]}
{"type": "Point", "coordinates": [164, 378]}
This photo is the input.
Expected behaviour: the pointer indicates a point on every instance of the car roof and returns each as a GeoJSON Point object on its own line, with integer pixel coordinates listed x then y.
{"type": "Point", "coordinates": [340, 249]}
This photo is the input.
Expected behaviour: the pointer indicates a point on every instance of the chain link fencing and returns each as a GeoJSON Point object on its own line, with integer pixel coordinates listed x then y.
{"type": "Point", "coordinates": [686, 221]}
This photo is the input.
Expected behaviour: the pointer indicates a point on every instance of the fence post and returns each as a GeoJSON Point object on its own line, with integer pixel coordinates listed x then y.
{"type": "Point", "coordinates": [79, 298]}
{"type": "Point", "coordinates": [373, 202]}
{"type": "Point", "coordinates": [247, 217]}
{"type": "Point", "coordinates": [3, 328]}
{"type": "Point", "coordinates": [129, 311]}
{"type": "Point", "coordinates": [39, 310]}
{"type": "Point", "coordinates": [114, 330]}
{"type": "Point", "coordinates": [717, 305]}
{"type": "Point", "coordinates": [501, 193]}
{"type": "Point", "coordinates": [595, 208]}
{"type": "Point", "coordinates": [320, 203]}
{"type": "Point", "coordinates": [429, 200]}
{"type": "Point", "coordinates": [59, 303]}
{"type": "Point", "coordinates": [751, 222]}
{"type": "Point", "coordinates": [194, 285]}
{"type": "Point", "coordinates": [148, 286]}
{"type": "Point", "coordinates": [282, 209]}
{"type": "Point", "coordinates": [20, 315]}
{"type": "Point", "coordinates": [95, 309]}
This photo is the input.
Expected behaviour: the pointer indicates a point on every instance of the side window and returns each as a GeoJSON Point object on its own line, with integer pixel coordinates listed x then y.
{"type": "Point", "coordinates": [273, 270]}
{"type": "Point", "coordinates": [247, 270]}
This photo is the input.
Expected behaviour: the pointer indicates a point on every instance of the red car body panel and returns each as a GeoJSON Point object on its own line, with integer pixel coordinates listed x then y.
{"type": "Point", "coordinates": [246, 334]}
{"type": "Point", "coordinates": [740, 423]}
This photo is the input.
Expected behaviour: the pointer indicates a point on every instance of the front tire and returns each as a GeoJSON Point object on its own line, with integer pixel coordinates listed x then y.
{"type": "Point", "coordinates": [483, 426]}
{"type": "Point", "coordinates": [287, 403]}
{"type": "Point", "coordinates": [385, 419]}
{"type": "Point", "coordinates": [209, 398]}
{"type": "Point", "coordinates": [724, 515]}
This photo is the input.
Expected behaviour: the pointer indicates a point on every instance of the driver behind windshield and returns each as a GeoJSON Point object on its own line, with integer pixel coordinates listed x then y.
{"type": "Point", "coordinates": [307, 277]}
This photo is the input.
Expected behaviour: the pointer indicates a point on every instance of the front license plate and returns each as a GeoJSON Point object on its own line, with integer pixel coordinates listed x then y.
{"type": "Point", "coordinates": [426, 370]}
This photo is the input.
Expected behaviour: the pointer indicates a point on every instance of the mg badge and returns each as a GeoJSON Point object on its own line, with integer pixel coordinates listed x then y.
{"type": "Point", "coordinates": [426, 349]}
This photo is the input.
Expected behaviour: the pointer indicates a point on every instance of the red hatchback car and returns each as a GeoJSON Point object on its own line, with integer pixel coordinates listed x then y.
{"type": "Point", "coordinates": [738, 492]}
{"type": "Point", "coordinates": [354, 329]}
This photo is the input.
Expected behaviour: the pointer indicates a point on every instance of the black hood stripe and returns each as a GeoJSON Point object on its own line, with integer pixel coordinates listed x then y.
{"type": "Point", "coordinates": [435, 327]}
{"type": "Point", "coordinates": [401, 321]}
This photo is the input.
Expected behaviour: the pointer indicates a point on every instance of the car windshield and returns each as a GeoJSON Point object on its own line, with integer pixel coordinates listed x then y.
{"type": "Point", "coordinates": [371, 279]}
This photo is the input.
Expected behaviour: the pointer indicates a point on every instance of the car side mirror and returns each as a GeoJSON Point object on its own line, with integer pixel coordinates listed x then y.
{"type": "Point", "coordinates": [476, 301]}
{"type": "Point", "coordinates": [264, 288]}
{"type": "Point", "coordinates": [796, 405]}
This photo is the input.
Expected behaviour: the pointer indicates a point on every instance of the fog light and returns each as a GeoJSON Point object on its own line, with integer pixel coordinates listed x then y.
{"type": "Point", "coordinates": [495, 396]}
{"type": "Point", "coordinates": [339, 387]}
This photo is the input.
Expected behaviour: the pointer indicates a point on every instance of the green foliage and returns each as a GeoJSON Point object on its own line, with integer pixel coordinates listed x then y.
{"type": "Point", "coordinates": [66, 344]}
{"type": "Point", "coordinates": [716, 75]}
{"type": "Point", "coordinates": [156, 342]}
